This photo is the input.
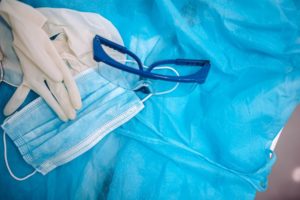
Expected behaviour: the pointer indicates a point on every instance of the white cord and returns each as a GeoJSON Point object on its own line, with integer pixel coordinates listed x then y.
{"type": "Point", "coordinates": [172, 89]}
{"type": "Point", "coordinates": [7, 164]}
{"type": "Point", "coordinates": [147, 97]}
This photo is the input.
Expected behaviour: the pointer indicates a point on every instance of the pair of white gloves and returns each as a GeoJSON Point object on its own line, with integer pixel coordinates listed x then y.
{"type": "Point", "coordinates": [43, 67]}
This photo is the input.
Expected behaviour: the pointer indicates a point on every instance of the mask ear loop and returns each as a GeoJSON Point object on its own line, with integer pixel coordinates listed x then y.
{"type": "Point", "coordinates": [139, 86]}
{"type": "Point", "coordinates": [173, 88]}
{"type": "Point", "coordinates": [7, 164]}
{"type": "Point", "coordinates": [162, 92]}
{"type": "Point", "coordinates": [147, 97]}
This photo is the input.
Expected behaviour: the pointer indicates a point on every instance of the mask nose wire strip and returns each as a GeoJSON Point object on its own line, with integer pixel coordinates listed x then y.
{"type": "Point", "coordinates": [7, 164]}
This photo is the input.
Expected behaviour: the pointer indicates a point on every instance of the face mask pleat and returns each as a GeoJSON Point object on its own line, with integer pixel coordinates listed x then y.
{"type": "Point", "coordinates": [37, 137]}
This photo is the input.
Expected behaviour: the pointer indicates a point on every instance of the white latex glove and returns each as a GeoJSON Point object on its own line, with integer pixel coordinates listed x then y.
{"type": "Point", "coordinates": [76, 31]}
{"type": "Point", "coordinates": [43, 69]}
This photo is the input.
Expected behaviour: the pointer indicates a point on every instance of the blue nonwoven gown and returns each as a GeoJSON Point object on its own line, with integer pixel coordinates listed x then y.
{"type": "Point", "coordinates": [211, 144]}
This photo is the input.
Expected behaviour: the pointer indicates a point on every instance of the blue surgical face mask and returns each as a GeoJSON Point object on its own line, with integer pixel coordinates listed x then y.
{"type": "Point", "coordinates": [46, 142]}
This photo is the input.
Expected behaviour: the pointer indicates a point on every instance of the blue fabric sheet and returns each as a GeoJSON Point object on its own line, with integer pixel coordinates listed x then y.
{"type": "Point", "coordinates": [211, 144]}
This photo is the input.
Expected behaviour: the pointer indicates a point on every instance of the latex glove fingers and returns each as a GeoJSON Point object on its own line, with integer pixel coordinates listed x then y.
{"type": "Point", "coordinates": [40, 60]}
{"type": "Point", "coordinates": [34, 79]}
{"type": "Point", "coordinates": [68, 79]}
{"type": "Point", "coordinates": [41, 89]}
{"type": "Point", "coordinates": [20, 95]}
{"type": "Point", "coordinates": [60, 93]}
{"type": "Point", "coordinates": [50, 62]}
{"type": "Point", "coordinates": [56, 94]}
{"type": "Point", "coordinates": [16, 100]}
{"type": "Point", "coordinates": [50, 59]}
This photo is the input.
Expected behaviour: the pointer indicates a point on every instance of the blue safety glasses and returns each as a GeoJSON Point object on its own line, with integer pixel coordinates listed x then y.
{"type": "Point", "coordinates": [130, 71]}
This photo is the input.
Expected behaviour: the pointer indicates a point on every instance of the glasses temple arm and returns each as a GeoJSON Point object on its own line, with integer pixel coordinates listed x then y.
{"type": "Point", "coordinates": [187, 62]}
{"type": "Point", "coordinates": [117, 47]}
